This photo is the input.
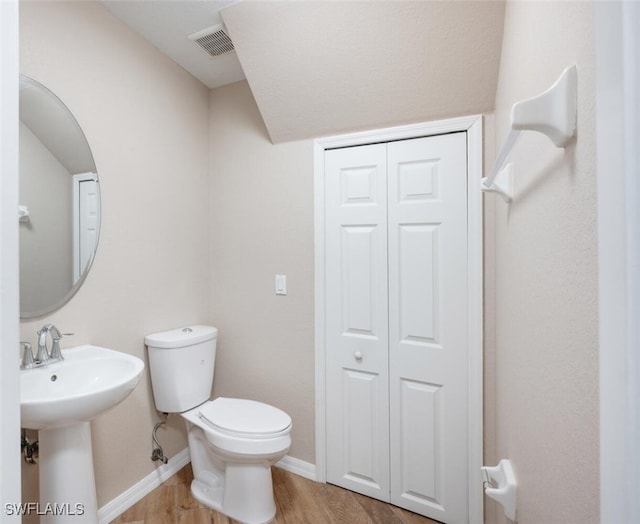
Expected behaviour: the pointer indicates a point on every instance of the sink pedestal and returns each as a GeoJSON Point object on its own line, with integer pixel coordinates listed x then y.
{"type": "Point", "coordinates": [67, 482]}
{"type": "Point", "coordinates": [59, 399]}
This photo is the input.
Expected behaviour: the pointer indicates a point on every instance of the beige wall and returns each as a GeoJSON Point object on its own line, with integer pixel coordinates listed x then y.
{"type": "Point", "coordinates": [261, 204]}
{"type": "Point", "coordinates": [46, 190]}
{"type": "Point", "coordinates": [147, 122]}
{"type": "Point", "coordinates": [546, 276]}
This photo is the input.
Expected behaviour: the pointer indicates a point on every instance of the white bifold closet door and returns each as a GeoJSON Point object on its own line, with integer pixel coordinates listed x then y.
{"type": "Point", "coordinates": [396, 323]}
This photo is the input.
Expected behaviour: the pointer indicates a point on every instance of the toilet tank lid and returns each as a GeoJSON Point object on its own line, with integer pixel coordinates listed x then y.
{"type": "Point", "coordinates": [184, 336]}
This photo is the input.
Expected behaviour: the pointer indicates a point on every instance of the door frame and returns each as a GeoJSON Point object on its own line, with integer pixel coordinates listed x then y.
{"type": "Point", "coordinates": [75, 199]}
{"type": "Point", "coordinates": [472, 125]}
{"type": "Point", "coordinates": [9, 265]}
{"type": "Point", "coordinates": [617, 40]}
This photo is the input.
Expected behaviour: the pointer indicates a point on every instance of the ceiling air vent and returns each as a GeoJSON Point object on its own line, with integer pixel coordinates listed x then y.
{"type": "Point", "coordinates": [214, 40]}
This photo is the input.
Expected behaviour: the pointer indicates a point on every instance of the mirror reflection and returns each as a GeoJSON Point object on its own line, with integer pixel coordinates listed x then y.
{"type": "Point", "coordinates": [59, 202]}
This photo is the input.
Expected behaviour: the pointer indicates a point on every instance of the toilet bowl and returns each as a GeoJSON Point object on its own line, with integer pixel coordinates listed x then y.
{"type": "Point", "coordinates": [232, 442]}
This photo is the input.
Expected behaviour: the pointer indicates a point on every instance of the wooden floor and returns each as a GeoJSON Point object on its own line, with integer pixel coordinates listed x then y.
{"type": "Point", "coordinates": [298, 501]}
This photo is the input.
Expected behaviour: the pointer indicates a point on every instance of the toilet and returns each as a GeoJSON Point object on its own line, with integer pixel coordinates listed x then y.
{"type": "Point", "coordinates": [233, 442]}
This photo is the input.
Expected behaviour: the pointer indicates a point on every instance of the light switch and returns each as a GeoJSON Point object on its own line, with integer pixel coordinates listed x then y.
{"type": "Point", "coordinates": [281, 284]}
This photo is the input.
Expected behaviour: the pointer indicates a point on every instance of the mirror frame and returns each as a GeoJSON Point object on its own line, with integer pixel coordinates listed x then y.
{"type": "Point", "coordinates": [24, 315]}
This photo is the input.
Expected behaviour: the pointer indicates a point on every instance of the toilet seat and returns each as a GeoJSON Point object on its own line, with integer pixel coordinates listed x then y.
{"type": "Point", "coordinates": [243, 418]}
{"type": "Point", "coordinates": [245, 428]}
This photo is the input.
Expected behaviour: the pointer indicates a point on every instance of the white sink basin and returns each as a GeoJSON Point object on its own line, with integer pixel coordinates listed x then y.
{"type": "Point", "coordinates": [89, 381]}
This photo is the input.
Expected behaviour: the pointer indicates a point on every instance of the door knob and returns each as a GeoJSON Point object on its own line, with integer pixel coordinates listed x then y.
{"type": "Point", "coordinates": [358, 355]}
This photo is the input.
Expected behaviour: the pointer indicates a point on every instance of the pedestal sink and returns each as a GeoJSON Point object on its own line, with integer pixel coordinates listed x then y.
{"type": "Point", "coordinates": [59, 400]}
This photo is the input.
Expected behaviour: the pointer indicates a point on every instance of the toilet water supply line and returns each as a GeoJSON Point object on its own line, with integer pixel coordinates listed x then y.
{"type": "Point", "coordinates": [30, 450]}
{"type": "Point", "coordinates": [157, 453]}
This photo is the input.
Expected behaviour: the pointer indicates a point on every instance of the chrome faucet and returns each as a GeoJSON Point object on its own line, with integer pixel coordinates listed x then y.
{"type": "Point", "coordinates": [43, 355]}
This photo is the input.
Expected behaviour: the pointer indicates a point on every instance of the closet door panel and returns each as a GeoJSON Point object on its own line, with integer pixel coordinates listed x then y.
{"type": "Point", "coordinates": [357, 382]}
{"type": "Point", "coordinates": [417, 286]}
{"type": "Point", "coordinates": [427, 243]}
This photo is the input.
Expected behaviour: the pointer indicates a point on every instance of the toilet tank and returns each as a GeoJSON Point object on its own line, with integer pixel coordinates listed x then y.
{"type": "Point", "coordinates": [181, 364]}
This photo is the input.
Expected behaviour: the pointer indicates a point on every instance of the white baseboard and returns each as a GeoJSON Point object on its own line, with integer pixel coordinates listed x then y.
{"type": "Point", "coordinates": [111, 510]}
{"type": "Point", "coordinates": [297, 466]}
{"type": "Point", "coordinates": [115, 508]}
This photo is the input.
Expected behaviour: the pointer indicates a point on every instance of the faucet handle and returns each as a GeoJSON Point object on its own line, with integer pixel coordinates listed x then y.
{"type": "Point", "coordinates": [27, 355]}
{"type": "Point", "coordinates": [56, 353]}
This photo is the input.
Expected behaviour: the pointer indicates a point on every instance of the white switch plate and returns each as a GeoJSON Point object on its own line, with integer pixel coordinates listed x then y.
{"type": "Point", "coordinates": [281, 284]}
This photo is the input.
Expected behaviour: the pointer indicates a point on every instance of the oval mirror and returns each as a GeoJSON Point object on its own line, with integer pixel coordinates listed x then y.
{"type": "Point", "coordinates": [59, 202]}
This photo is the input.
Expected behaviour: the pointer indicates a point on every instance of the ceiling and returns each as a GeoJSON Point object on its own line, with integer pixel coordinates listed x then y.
{"type": "Point", "coordinates": [167, 25]}
{"type": "Point", "coordinates": [319, 67]}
